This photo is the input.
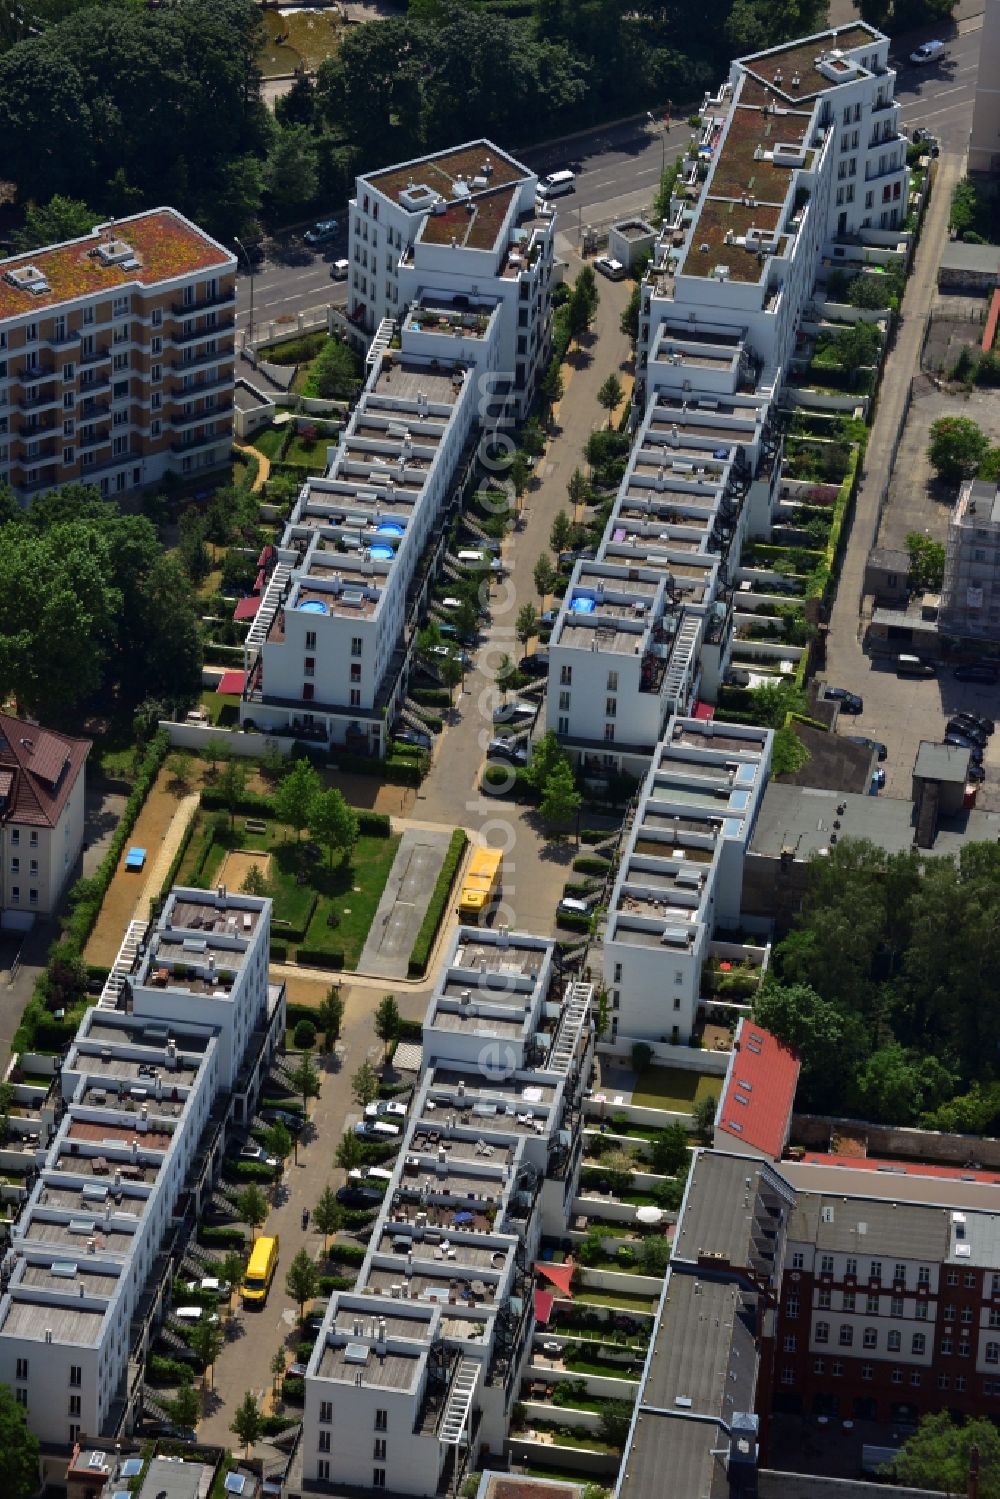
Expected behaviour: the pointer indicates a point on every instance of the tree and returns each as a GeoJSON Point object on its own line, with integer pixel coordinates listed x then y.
{"type": "Point", "coordinates": [330, 1015]}
{"type": "Point", "coordinates": [252, 1207]}
{"type": "Point", "coordinates": [655, 1254]}
{"type": "Point", "coordinates": [451, 671]}
{"type": "Point", "coordinates": [788, 753]}
{"type": "Point", "coordinates": [628, 323]}
{"type": "Point", "coordinates": [802, 1020]}
{"type": "Point", "coordinates": [231, 786]}
{"type": "Point", "coordinates": [350, 1152]}
{"type": "Point", "coordinates": [302, 1280]}
{"type": "Point", "coordinates": [19, 1449]}
{"type": "Point", "coordinates": [278, 1141]}
{"type": "Point", "coordinates": [304, 1078]}
{"type": "Point", "coordinates": [388, 1021]}
{"type": "Point", "coordinates": [544, 576]}
{"type": "Point", "coordinates": [519, 474]}
{"type": "Point", "coordinates": [896, 1083]}
{"type": "Point", "coordinates": [926, 562]}
{"type": "Point", "coordinates": [938, 1456]}
{"type": "Point", "coordinates": [248, 1422]}
{"type": "Point", "coordinates": [578, 489]}
{"type": "Point", "coordinates": [277, 1367]}
{"type": "Point", "coordinates": [616, 1418]}
{"type": "Point", "coordinates": [333, 823]}
{"type": "Point", "coordinates": [364, 1085]}
{"type": "Point", "coordinates": [703, 1115]}
{"type": "Point", "coordinates": [295, 794]}
{"type": "Point", "coordinates": [559, 532]}
{"type": "Point", "coordinates": [773, 701]}
{"type": "Point", "coordinates": [957, 448]}
{"type": "Point", "coordinates": [298, 106]}
{"type": "Point", "coordinates": [506, 675]}
{"type": "Point", "coordinates": [668, 1151]}
{"type": "Point", "coordinates": [232, 1268]}
{"type": "Point", "coordinates": [561, 801]}
{"type": "Point", "coordinates": [53, 222]}
{"type": "Point", "coordinates": [327, 1214]}
{"type": "Point", "coordinates": [205, 1342]}
{"type": "Point", "coordinates": [665, 191]}
{"type": "Point", "coordinates": [581, 306]}
{"type": "Point", "coordinates": [304, 1035]}
{"type": "Point", "coordinates": [526, 623]}
{"type": "Point", "coordinates": [291, 171]}
{"type": "Point", "coordinates": [254, 882]}
{"type": "Point", "coordinates": [618, 1168]}
{"type": "Point", "coordinates": [183, 1408]}
{"type": "Point", "coordinates": [179, 766]}
{"type": "Point", "coordinates": [547, 755]}
{"type": "Point", "coordinates": [611, 396]}
{"type": "Point", "coordinates": [550, 389]}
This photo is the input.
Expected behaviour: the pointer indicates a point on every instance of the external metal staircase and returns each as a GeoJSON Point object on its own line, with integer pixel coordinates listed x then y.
{"type": "Point", "coordinates": [122, 966]}
{"type": "Point", "coordinates": [455, 1417]}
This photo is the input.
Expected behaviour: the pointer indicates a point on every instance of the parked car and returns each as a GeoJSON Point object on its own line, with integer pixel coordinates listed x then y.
{"type": "Point", "coordinates": [536, 665]}
{"type": "Point", "coordinates": [927, 52]}
{"type": "Point", "coordinates": [511, 712]}
{"type": "Point", "coordinates": [252, 1151]}
{"type": "Point", "coordinates": [962, 741]}
{"type": "Point", "coordinates": [571, 906]}
{"type": "Point", "coordinates": [377, 1129]}
{"type": "Point", "coordinates": [968, 730]}
{"type": "Point", "coordinates": [548, 617]}
{"type": "Point", "coordinates": [737, 676]}
{"type": "Point", "coordinates": [358, 1196]}
{"type": "Point", "coordinates": [849, 701]}
{"type": "Point", "coordinates": [339, 270]}
{"type": "Point", "coordinates": [296, 1370]}
{"type": "Point", "coordinates": [208, 1285]}
{"type": "Point", "coordinates": [875, 745]}
{"type": "Point", "coordinates": [321, 232]}
{"type": "Point", "coordinates": [613, 269]}
{"type": "Point", "coordinates": [914, 666]}
{"type": "Point", "coordinates": [451, 650]}
{"type": "Point", "coordinates": [978, 720]}
{"type": "Point", "coordinates": [977, 671]}
{"type": "Point", "coordinates": [193, 1314]}
{"type": "Point", "coordinates": [506, 749]}
{"type": "Point", "coordinates": [386, 1108]}
{"type": "Point", "coordinates": [294, 1123]}
{"type": "Point", "coordinates": [413, 736]}
{"type": "Point", "coordinates": [877, 782]}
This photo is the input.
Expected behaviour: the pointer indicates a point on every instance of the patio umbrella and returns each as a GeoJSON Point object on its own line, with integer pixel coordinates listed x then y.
{"type": "Point", "coordinates": [648, 1215]}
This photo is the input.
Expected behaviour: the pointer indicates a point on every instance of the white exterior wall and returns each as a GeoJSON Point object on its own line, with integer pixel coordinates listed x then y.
{"type": "Point", "coordinates": [46, 865]}
{"type": "Point", "coordinates": [984, 141]}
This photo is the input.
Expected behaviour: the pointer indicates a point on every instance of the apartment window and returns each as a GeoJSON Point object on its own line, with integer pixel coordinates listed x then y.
{"type": "Point", "coordinates": [896, 1306]}
{"type": "Point", "coordinates": [819, 1366]}
{"type": "Point", "coordinates": [852, 166]}
{"type": "Point", "coordinates": [967, 1314]}
{"type": "Point", "coordinates": [787, 1374]}
{"type": "Point", "coordinates": [310, 640]}
{"type": "Point", "coordinates": [970, 1279]}
{"type": "Point", "coordinates": [21, 1396]}
{"type": "Point", "coordinates": [120, 335]}
{"type": "Point", "coordinates": [994, 1316]}
{"type": "Point", "coordinates": [790, 1342]}
{"type": "Point", "coordinates": [119, 390]}
{"type": "Point", "coordinates": [156, 344]}
{"type": "Point", "coordinates": [918, 1343]}
{"type": "Point", "coordinates": [897, 1376]}
{"type": "Point", "coordinates": [120, 362]}
{"type": "Point", "coordinates": [609, 733]}
{"type": "Point", "coordinates": [854, 140]}
{"type": "Point", "coordinates": [944, 1381]}
{"type": "Point", "coordinates": [156, 372]}
{"type": "Point", "coordinates": [869, 200]}
{"type": "Point", "coordinates": [848, 1300]}
{"type": "Point", "coordinates": [826, 1264]}
{"type": "Point", "coordinates": [326, 1411]}
{"type": "Point", "coordinates": [119, 418]}
{"type": "Point", "coordinates": [960, 1382]}
{"type": "Point", "coordinates": [840, 197]}
{"type": "Point", "coordinates": [923, 1275]}
{"type": "Point", "coordinates": [323, 1442]}
{"type": "Point", "coordinates": [875, 1271]}
{"type": "Point", "coordinates": [846, 1335]}
{"type": "Point", "coordinates": [156, 317]}
{"type": "Point", "coordinates": [155, 428]}
{"type": "Point", "coordinates": [867, 1371]}
{"type": "Point", "coordinates": [15, 894]}
{"type": "Point", "coordinates": [964, 1349]}
{"type": "Point", "coordinates": [920, 1311]}
{"type": "Point", "coordinates": [378, 1478]}
{"type": "Point", "coordinates": [308, 692]}
{"type": "Point", "coordinates": [379, 1451]}
{"type": "Point", "coordinates": [993, 1353]}
{"type": "Point", "coordinates": [823, 1298]}
{"type": "Point", "coordinates": [119, 307]}
{"type": "Point", "coordinates": [947, 1346]}
{"type": "Point", "coordinates": [15, 836]}
{"type": "Point", "coordinates": [895, 1341]}
{"type": "Point", "coordinates": [15, 865]}
{"type": "Point", "coordinates": [610, 707]}
{"type": "Point", "coordinates": [612, 681]}
{"type": "Point", "coordinates": [68, 454]}
{"type": "Point", "coordinates": [566, 676]}
{"type": "Point", "coordinates": [847, 119]}
{"type": "Point", "coordinates": [850, 192]}
{"type": "Point", "coordinates": [822, 1332]}
{"type": "Point", "coordinates": [915, 1378]}
{"type": "Point", "coordinates": [119, 447]}
{"type": "Point", "coordinates": [563, 726]}
{"type": "Point", "coordinates": [68, 371]}
{"type": "Point", "coordinates": [88, 315]}
{"type": "Point", "coordinates": [31, 333]}
{"type": "Point", "coordinates": [74, 1405]}
{"type": "Point", "coordinates": [21, 1371]}
{"type": "Point", "coordinates": [155, 401]}
{"type": "Point", "coordinates": [76, 1374]}
{"type": "Point", "coordinates": [355, 697]}
{"type": "Point", "coordinates": [871, 1337]}
{"type": "Point", "coordinates": [69, 400]}
{"type": "Point", "coordinates": [792, 1306]}
{"type": "Point", "coordinates": [564, 701]}
{"type": "Point", "coordinates": [798, 1260]}
{"type": "Point", "coordinates": [356, 643]}
{"type": "Point", "coordinates": [32, 897]}
{"type": "Point", "coordinates": [323, 1469]}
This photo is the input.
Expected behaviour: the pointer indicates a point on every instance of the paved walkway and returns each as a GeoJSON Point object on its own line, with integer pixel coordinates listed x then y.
{"type": "Point", "coordinates": [846, 662]}
{"type": "Point", "coordinates": [263, 464]}
{"type": "Point", "coordinates": [397, 921]}
{"type": "Point", "coordinates": [171, 842]}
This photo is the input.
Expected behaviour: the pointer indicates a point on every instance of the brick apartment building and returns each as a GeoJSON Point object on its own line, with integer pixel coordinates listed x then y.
{"type": "Point", "coordinates": [116, 356]}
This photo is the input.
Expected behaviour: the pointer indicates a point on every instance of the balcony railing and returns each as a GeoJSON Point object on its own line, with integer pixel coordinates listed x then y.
{"type": "Point", "coordinates": [225, 326]}
{"type": "Point", "coordinates": [96, 355]}
{"type": "Point", "coordinates": [50, 398]}
{"type": "Point", "coordinates": [192, 309]}
{"type": "Point", "coordinates": [87, 387]}
{"type": "Point", "coordinates": [103, 436]}
{"type": "Point", "coordinates": [36, 371]}
{"type": "Point", "coordinates": [208, 413]}
{"type": "Point", "coordinates": [188, 444]}
{"type": "Point", "coordinates": [215, 357]}
{"type": "Point", "coordinates": [32, 429]}
{"type": "Point", "coordinates": [55, 342]}
{"type": "Point", "coordinates": [203, 387]}
{"type": "Point", "coordinates": [872, 174]}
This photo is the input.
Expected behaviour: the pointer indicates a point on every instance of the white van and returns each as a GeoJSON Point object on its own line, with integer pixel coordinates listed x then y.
{"type": "Point", "coordinates": [371, 1175]}
{"type": "Point", "coordinates": [556, 184]}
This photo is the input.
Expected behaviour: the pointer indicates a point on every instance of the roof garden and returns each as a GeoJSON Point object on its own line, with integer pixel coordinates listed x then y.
{"type": "Point", "coordinates": [442, 171]}
{"type": "Point", "coordinates": [709, 248]}
{"type": "Point", "coordinates": [739, 170]}
{"type": "Point", "coordinates": [782, 66]}
{"type": "Point", "coordinates": [472, 223]}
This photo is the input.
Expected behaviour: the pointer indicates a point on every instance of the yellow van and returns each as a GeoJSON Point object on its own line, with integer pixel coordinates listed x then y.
{"type": "Point", "coordinates": [260, 1271]}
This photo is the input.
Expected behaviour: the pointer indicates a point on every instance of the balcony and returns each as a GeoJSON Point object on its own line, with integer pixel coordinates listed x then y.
{"type": "Point", "coordinates": [225, 326]}
{"type": "Point", "coordinates": [49, 398]}
{"type": "Point", "coordinates": [208, 413]}
{"type": "Point", "coordinates": [46, 452]}
{"type": "Point", "coordinates": [115, 461]}
{"type": "Point", "coordinates": [91, 409]}
{"type": "Point", "coordinates": [189, 444]}
{"type": "Point", "coordinates": [38, 484]}
{"type": "Point", "coordinates": [34, 429]}
{"type": "Point", "coordinates": [35, 371]}
{"type": "Point", "coordinates": [96, 355]}
{"type": "Point", "coordinates": [192, 309]}
{"type": "Point", "coordinates": [201, 388]}
{"type": "Point", "coordinates": [100, 382]}
{"type": "Point", "coordinates": [104, 435]}
{"type": "Point", "coordinates": [53, 342]}
{"type": "Point", "coordinates": [215, 357]}
{"type": "Point", "coordinates": [872, 174]}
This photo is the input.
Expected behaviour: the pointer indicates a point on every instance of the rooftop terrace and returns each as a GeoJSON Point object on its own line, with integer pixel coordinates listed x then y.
{"type": "Point", "coordinates": [797, 59]}
{"type": "Point", "coordinates": [472, 223]}
{"type": "Point", "coordinates": [442, 170]}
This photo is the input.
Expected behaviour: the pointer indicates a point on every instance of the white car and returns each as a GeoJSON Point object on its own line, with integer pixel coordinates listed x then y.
{"type": "Point", "coordinates": [384, 1108]}
{"type": "Point", "coordinates": [613, 269]}
{"type": "Point", "coordinates": [511, 712]}
{"type": "Point", "coordinates": [254, 1152]}
{"type": "Point", "coordinates": [209, 1284]}
{"type": "Point", "coordinates": [927, 52]}
{"type": "Point", "coordinates": [377, 1129]}
{"type": "Point", "coordinates": [192, 1314]}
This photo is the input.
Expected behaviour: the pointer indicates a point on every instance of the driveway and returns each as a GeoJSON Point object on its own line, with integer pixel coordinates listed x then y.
{"type": "Point", "coordinates": [400, 913]}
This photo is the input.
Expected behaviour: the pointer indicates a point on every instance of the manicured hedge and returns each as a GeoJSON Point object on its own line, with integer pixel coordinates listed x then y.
{"type": "Point", "coordinates": [420, 955]}
{"type": "Point", "coordinates": [293, 1387]}
{"type": "Point", "coordinates": [370, 824]}
{"type": "Point", "coordinates": [279, 952]}
{"type": "Point", "coordinates": [167, 1371]}
{"type": "Point", "coordinates": [327, 1284]}
{"type": "Point", "coordinates": [596, 835]}
{"type": "Point", "coordinates": [219, 1236]}
{"type": "Point", "coordinates": [318, 957]}
{"type": "Point", "coordinates": [410, 1030]}
{"type": "Point", "coordinates": [573, 921]}
{"type": "Point", "coordinates": [348, 1254]}
{"type": "Point", "coordinates": [247, 1171]}
{"type": "Point", "coordinates": [591, 864]}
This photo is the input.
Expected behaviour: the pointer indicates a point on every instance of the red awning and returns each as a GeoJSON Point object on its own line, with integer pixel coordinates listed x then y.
{"type": "Point", "coordinates": [259, 581]}
{"type": "Point", "coordinates": [704, 711]}
{"type": "Point", "coordinates": [544, 1302]}
{"type": "Point", "coordinates": [232, 682]}
{"type": "Point", "coordinates": [247, 608]}
{"type": "Point", "coordinates": [559, 1275]}
{"type": "Point", "coordinates": [265, 555]}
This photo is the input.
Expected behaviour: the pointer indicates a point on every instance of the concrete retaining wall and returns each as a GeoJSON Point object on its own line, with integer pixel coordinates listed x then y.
{"type": "Point", "coordinates": [620, 1282]}
{"type": "Point", "coordinates": [194, 736]}
{"type": "Point", "coordinates": [527, 1453]}
{"type": "Point", "coordinates": [687, 1058]}
{"type": "Point", "coordinates": [605, 1209]}
{"type": "Point", "coordinates": [814, 1132]}
{"type": "Point", "coordinates": [822, 400]}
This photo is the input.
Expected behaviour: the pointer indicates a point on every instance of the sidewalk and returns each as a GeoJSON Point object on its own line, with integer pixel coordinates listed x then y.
{"type": "Point", "coordinates": [845, 659]}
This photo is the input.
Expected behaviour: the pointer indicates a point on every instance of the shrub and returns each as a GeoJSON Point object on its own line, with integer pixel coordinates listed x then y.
{"type": "Point", "coordinates": [167, 1371]}
{"type": "Point", "coordinates": [247, 1171]}
{"type": "Point", "coordinates": [221, 1236]}
{"type": "Point", "coordinates": [293, 1389]}
{"type": "Point", "coordinates": [304, 1035]}
{"type": "Point", "coordinates": [420, 954]}
{"type": "Point", "coordinates": [318, 957]}
{"type": "Point", "coordinates": [573, 921]}
{"type": "Point", "coordinates": [591, 864]}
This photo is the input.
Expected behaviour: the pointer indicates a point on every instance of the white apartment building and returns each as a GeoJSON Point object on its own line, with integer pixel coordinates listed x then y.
{"type": "Point", "coordinates": [970, 591]}
{"type": "Point", "coordinates": [325, 655]}
{"type": "Point", "coordinates": [41, 817]}
{"type": "Point", "coordinates": [984, 140]}
{"type": "Point", "coordinates": [460, 225]}
{"type": "Point", "coordinates": [183, 1030]}
{"type": "Point", "coordinates": [116, 356]}
{"type": "Point", "coordinates": [802, 154]}
{"type": "Point", "coordinates": [648, 627]}
{"type": "Point", "coordinates": [681, 874]}
{"type": "Point", "coordinates": [415, 1371]}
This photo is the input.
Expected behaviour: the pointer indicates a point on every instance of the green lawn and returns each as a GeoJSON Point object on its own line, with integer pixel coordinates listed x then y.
{"type": "Point", "coordinates": [350, 894]}
{"type": "Point", "coordinates": [268, 442]}
{"type": "Point", "coordinates": [620, 1300]}
{"type": "Point", "coordinates": [311, 453]}
{"type": "Point", "coordinates": [674, 1089]}
{"type": "Point", "coordinates": [221, 707]}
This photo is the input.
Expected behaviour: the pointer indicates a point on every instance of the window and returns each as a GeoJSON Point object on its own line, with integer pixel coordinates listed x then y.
{"type": "Point", "coordinates": [918, 1343]}
{"type": "Point", "coordinates": [119, 307]}
{"type": "Point", "coordinates": [15, 866]}
{"type": "Point", "coordinates": [564, 701]}
{"type": "Point", "coordinates": [356, 644]}
{"type": "Point", "coordinates": [88, 315]}
{"type": "Point", "coordinates": [69, 400]}
{"type": "Point", "coordinates": [964, 1349]}
{"type": "Point", "coordinates": [21, 1396]}
{"type": "Point", "coordinates": [819, 1366]}
{"type": "Point", "coordinates": [993, 1353]}
{"type": "Point", "coordinates": [119, 390]}
{"type": "Point", "coordinates": [798, 1260]}
{"type": "Point", "coordinates": [563, 726]}
{"type": "Point", "coordinates": [848, 1300]}
{"type": "Point", "coordinates": [897, 1376]}
{"type": "Point", "coordinates": [871, 1305]}
{"type": "Point", "coordinates": [310, 640]}
{"type": "Point", "coordinates": [381, 1420]}
{"type": "Point", "coordinates": [949, 1314]}
{"type": "Point", "coordinates": [851, 1267]}
{"type": "Point", "coordinates": [355, 697]}
{"type": "Point", "coordinates": [309, 666]}
{"type": "Point", "coordinates": [566, 676]}
{"type": "Point", "coordinates": [871, 1337]}
{"type": "Point", "coordinates": [609, 733]}
{"type": "Point", "coordinates": [612, 681]}
{"type": "Point", "coordinates": [846, 1335]}
{"type": "Point", "coordinates": [74, 1405]}
{"type": "Point", "coordinates": [944, 1381]}
{"type": "Point", "coordinates": [155, 427]}
{"type": "Point", "coordinates": [969, 1279]}
{"type": "Point", "coordinates": [822, 1332]}
{"type": "Point", "coordinates": [826, 1264]}
{"type": "Point", "coordinates": [875, 1270]}
{"type": "Point", "coordinates": [120, 362]}
{"type": "Point", "coordinates": [323, 1470]}
{"type": "Point", "coordinates": [823, 1298]}
{"type": "Point", "coordinates": [867, 1371]}
{"type": "Point", "coordinates": [947, 1346]}
{"type": "Point", "coordinates": [923, 1275]}
{"type": "Point", "coordinates": [995, 1316]}
{"type": "Point", "coordinates": [15, 836]}
{"type": "Point", "coordinates": [610, 707]}
{"type": "Point", "coordinates": [960, 1382]}
{"type": "Point", "coordinates": [32, 897]}
{"type": "Point", "coordinates": [15, 894]}
{"type": "Point", "coordinates": [378, 1478]}
{"type": "Point", "coordinates": [22, 1369]}
{"type": "Point", "coordinates": [787, 1374]}
{"type": "Point", "coordinates": [156, 317]}
{"type": "Point", "coordinates": [915, 1378]}
{"type": "Point", "coordinates": [31, 333]}
{"type": "Point", "coordinates": [895, 1341]}
{"type": "Point", "coordinates": [156, 372]}
{"type": "Point", "coordinates": [326, 1411]}
{"type": "Point", "coordinates": [791, 1340]}
{"type": "Point", "coordinates": [379, 1452]}
{"type": "Point", "coordinates": [323, 1442]}
{"type": "Point", "coordinates": [967, 1314]}
{"type": "Point", "coordinates": [156, 344]}
{"type": "Point", "coordinates": [996, 1283]}
{"type": "Point", "coordinates": [792, 1306]}
{"type": "Point", "coordinates": [895, 1306]}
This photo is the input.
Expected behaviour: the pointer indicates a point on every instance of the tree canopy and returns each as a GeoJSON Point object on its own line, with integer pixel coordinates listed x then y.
{"type": "Point", "coordinates": [19, 1472]}
{"type": "Point", "coordinates": [938, 1454]}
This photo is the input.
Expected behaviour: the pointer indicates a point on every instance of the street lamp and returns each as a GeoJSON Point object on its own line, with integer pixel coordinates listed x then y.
{"type": "Point", "coordinates": [663, 143]}
{"type": "Point", "coordinates": [250, 266]}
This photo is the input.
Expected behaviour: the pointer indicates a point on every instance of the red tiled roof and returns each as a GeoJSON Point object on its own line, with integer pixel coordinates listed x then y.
{"type": "Point", "coordinates": [38, 770]}
{"type": "Point", "coordinates": [757, 1101]}
{"type": "Point", "coordinates": [904, 1168]}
